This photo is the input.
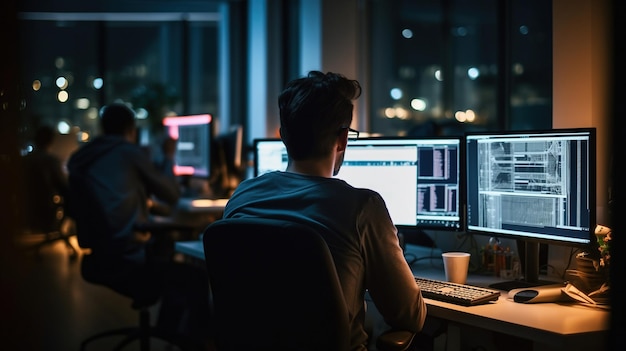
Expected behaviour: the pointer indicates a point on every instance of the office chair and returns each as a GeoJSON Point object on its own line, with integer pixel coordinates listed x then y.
{"type": "Point", "coordinates": [141, 293]}
{"type": "Point", "coordinates": [106, 272]}
{"type": "Point", "coordinates": [274, 286]}
{"type": "Point", "coordinates": [144, 331]}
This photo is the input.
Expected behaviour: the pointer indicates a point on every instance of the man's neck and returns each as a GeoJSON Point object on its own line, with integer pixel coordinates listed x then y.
{"type": "Point", "coordinates": [131, 135]}
{"type": "Point", "coordinates": [319, 168]}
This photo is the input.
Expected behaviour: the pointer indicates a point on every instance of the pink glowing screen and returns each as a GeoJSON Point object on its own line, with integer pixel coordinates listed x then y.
{"type": "Point", "coordinates": [193, 148]}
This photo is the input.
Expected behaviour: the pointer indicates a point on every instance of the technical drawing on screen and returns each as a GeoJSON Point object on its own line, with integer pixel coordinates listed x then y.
{"type": "Point", "coordinates": [536, 185]}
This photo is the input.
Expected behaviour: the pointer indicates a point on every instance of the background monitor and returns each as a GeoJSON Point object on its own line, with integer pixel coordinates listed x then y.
{"type": "Point", "coordinates": [231, 147]}
{"type": "Point", "coordinates": [228, 160]}
{"type": "Point", "coordinates": [534, 186]}
{"type": "Point", "coordinates": [193, 148]}
{"type": "Point", "coordinates": [270, 154]}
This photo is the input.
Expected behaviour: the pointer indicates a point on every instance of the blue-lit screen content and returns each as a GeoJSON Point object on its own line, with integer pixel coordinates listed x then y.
{"type": "Point", "coordinates": [193, 149]}
{"type": "Point", "coordinates": [418, 179]}
{"type": "Point", "coordinates": [537, 186]}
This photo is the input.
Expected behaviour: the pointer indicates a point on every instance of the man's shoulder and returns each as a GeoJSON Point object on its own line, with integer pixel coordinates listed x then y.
{"type": "Point", "coordinates": [104, 145]}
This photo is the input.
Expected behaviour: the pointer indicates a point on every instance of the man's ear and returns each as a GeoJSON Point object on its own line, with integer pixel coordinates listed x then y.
{"type": "Point", "coordinates": [131, 135]}
{"type": "Point", "coordinates": [342, 140]}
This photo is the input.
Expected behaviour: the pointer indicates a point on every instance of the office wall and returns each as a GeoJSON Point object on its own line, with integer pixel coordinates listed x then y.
{"type": "Point", "coordinates": [582, 51]}
{"type": "Point", "coordinates": [329, 42]}
{"type": "Point", "coordinates": [581, 78]}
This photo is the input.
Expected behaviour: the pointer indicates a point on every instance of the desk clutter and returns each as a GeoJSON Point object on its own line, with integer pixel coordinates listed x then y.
{"type": "Point", "coordinates": [590, 279]}
{"type": "Point", "coordinates": [501, 261]}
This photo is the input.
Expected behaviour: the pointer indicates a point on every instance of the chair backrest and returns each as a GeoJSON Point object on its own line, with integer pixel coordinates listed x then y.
{"type": "Point", "coordinates": [91, 224]}
{"type": "Point", "coordinates": [274, 286]}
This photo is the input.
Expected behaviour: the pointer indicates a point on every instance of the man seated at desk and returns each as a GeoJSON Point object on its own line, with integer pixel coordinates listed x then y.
{"type": "Point", "coordinates": [110, 181]}
{"type": "Point", "coordinates": [315, 115]}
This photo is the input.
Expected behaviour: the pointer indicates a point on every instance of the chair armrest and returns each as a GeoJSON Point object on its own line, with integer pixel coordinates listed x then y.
{"type": "Point", "coordinates": [394, 340]}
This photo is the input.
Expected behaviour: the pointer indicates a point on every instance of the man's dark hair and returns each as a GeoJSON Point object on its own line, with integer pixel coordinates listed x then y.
{"type": "Point", "coordinates": [117, 118]}
{"type": "Point", "coordinates": [313, 111]}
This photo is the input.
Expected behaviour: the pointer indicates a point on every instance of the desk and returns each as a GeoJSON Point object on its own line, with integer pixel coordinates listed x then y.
{"type": "Point", "coordinates": [549, 326]}
{"type": "Point", "coordinates": [200, 205]}
{"type": "Point", "coordinates": [196, 213]}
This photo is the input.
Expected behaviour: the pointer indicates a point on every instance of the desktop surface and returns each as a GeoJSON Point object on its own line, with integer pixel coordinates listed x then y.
{"type": "Point", "coordinates": [194, 212]}
{"type": "Point", "coordinates": [200, 204]}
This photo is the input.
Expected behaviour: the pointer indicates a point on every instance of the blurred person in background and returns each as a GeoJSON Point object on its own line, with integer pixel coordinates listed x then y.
{"type": "Point", "coordinates": [45, 184]}
{"type": "Point", "coordinates": [111, 182]}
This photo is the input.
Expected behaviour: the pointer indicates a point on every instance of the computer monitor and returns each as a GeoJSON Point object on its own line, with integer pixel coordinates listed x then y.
{"type": "Point", "coordinates": [533, 186]}
{"type": "Point", "coordinates": [417, 177]}
{"type": "Point", "coordinates": [193, 148]}
{"type": "Point", "coordinates": [229, 156]}
{"type": "Point", "coordinates": [231, 145]}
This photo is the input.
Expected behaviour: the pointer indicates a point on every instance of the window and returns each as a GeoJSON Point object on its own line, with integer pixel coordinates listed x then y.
{"type": "Point", "coordinates": [162, 64]}
{"type": "Point", "coordinates": [446, 67]}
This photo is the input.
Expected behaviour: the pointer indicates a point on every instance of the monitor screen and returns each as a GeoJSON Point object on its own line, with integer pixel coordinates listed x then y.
{"type": "Point", "coordinates": [193, 147]}
{"type": "Point", "coordinates": [534, 186]}
{"type": "Point", "coordinates": [417, 178]}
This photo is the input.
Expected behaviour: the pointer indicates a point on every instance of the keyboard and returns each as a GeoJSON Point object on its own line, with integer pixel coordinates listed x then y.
{"type": "Point", "coordinates": [460, 294]}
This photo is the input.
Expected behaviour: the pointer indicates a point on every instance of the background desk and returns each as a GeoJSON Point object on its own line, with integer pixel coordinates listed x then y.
{"type": "Point", "coordinates": [545, 326]}
{"type": "Point", "coordinates": [194, 213]}
{"type": "Point", "coordinates": [200, 205]}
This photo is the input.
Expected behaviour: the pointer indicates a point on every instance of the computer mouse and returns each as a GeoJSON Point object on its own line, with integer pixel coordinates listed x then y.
{"type": "Point", "coordinates": [537, 294]}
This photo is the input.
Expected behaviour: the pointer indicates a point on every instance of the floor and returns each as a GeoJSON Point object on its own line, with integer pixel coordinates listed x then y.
{"type": "Point", "coordinates": [54, 308]}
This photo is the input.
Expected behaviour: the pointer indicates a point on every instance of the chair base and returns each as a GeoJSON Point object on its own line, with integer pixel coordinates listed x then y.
{"type": "Point", "coordinates": [143, 334]}
{"type": "Point", "coordinates": [133, 334]}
